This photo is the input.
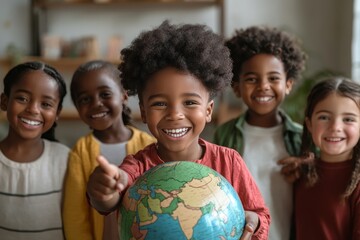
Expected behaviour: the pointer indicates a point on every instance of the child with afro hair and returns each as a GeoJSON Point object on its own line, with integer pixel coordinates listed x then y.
{"type": "Point", "coordinates": [177, 70]}
{"type": "Point", "coordinates": [266, 63]}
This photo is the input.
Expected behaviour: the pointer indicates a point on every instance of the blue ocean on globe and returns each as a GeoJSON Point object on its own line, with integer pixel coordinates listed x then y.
{"type": "Point", "coordinates": [183, 201]}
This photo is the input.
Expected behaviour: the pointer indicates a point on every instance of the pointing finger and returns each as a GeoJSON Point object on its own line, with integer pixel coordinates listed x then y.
{"type": "Point", "coordinates": [108, 168]}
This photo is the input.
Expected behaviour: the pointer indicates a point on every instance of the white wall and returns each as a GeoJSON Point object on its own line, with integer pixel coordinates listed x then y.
{"type": "Point", "coordinates": [324, 26]}
{"type": "Point", "coordinates": [14, 25]}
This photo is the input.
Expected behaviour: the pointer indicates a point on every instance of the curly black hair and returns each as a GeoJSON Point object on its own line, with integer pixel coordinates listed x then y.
{"type": "Point", "coordinates": [262, 39]}
{"type": "Point", "coordinates": [192, 48]}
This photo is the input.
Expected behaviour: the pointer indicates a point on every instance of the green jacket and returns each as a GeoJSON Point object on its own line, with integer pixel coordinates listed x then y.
{"type": "Point", "coordinates": [230, 134]}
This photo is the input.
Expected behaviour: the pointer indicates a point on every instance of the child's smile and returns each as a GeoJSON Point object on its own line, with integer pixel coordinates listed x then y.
{"type": "Point", "coordinates": [335, 129]}
{"type": "Point", "coordinates": [264, 99]}
{"type": "Point", "coordinates": [31, 106]}
{"type": "Point", "coordinates": [98, 99]}
{"type": "Point", "coordinates": [176, 133]}
{"type": "Point", "coordinates": [263, 86]}
{"type": "Point", "coordinates": [99, 115]}
{"type": "Point", "coordinates": [175, 105]}
{"type": "Point", "coordinates": [30, 124]}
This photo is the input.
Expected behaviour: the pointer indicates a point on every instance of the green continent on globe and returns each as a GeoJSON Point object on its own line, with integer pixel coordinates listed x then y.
{"type": "Point", "coordinates": [181, 200]}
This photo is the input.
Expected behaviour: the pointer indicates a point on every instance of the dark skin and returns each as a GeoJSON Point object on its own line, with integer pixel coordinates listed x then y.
{"type": "Point", "coordinates": [98, 94]}
{"type": "Point", "coordinates": [32, 108]}
{"type": "Point", "coordinates": [26, 151]}
{"type": "Point", "coordinates": [123, 134]}
{"type": "Point", "coordinates": [263, 85]}
{"type": "Point", "coordinates": [185, 105]}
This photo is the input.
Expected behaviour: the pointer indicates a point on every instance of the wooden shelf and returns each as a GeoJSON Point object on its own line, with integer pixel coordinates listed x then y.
{"type": "Point", "coordinates": [39, 9]}
{"type": "Point", "coordinates": [63, 64]}
{"type": "Point", "coordinates": [58, 4]}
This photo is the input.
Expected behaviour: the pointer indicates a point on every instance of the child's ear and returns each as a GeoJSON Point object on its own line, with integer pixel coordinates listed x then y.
{"type": "Point", "coordinates": [142, 112]}
{"type": "Point", "coordinates": [125, 97]}
{"type": "Point", "coordinates": [236, 88]}
{"type": "Point", "coordinates": [4, 102]}
{"type": "Point", "coordinates": [209, 110]}
{"type": "Point", "coordinates": [58, 113]}
{"type": "Point", "coordinates": [289, 84]}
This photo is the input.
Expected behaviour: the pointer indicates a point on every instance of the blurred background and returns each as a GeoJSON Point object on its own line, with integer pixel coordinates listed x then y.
{"type": "Point", "coordinates": [66, 33]}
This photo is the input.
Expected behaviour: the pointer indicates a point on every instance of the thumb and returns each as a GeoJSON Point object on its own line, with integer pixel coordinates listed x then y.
{"type": "Point", "coordinates": [108, 168]}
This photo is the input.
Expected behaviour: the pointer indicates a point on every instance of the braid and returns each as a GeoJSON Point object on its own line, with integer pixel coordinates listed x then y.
{"type": "Point", "coordinates": [50, 134]}
{"type": "Point", "coordinates": [355, 176]}
{"type": "Point", "coordinates": [126, 115]}
{"type": "Point", "coordinates": [16, 74]}
{"type": "Point", "coordinates": [345, 88]}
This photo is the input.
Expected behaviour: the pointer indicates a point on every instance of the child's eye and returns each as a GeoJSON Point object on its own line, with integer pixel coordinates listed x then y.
{"type": "Point", "coordinates": [158, 104]}
{"type": "Point", "coordinates": [274, 78]}
{"type": "Point", "coordinates": [22, 99]}
{"type": "Point", "coordinates": [190, 102]}
{"type": "Point", "coordinates": [106, 94]}
{"type": "Point", "coordinates": [46, 105]}
{"type": "Point", "coordinates": [323, 117]}
{"type": "Point", "coordinates": [349, 120]}
{"type": "Point", "coordinates": [83, 100]}
{"type": "Point", "coordinates": [250, 80]}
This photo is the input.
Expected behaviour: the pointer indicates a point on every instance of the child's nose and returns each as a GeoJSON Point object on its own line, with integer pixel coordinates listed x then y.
{"type": "Point", "coordinates": [336, 125]}
{"type": "Point", "coordinates": [97, 102]}
{"type": "Point", "coordinates": [174, 113]}
{"type": "Point", "coordinates": [33, 108]}
{"type": "Point", "coordinates": [263, 84]}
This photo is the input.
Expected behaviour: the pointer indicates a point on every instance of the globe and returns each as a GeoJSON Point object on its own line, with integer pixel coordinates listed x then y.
{"type": "Point", "coordinates": [181, 200]}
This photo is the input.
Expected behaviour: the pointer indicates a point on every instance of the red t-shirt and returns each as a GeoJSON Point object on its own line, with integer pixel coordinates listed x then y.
{"type": "Point", "coordinates": [321, 212]}
{"type": "Point", "coordinates": [225, 161]}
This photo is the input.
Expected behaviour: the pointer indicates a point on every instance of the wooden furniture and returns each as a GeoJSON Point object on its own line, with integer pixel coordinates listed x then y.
{"type": "Point", "coordinates": [39, 9]}
{"type": "Point", "coordinates": [39, 27]}
{"type": "Point", "coordinates": [64, 65]}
